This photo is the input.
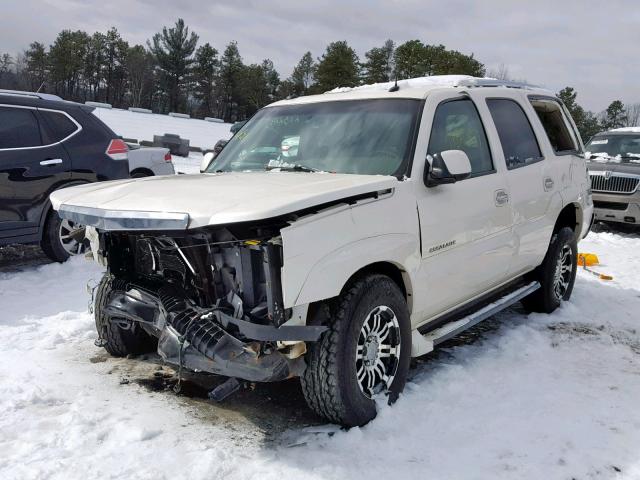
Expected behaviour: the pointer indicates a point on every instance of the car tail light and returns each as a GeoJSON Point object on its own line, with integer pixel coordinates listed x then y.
{"type": "Point", "coordinates": [117, 149]}
{"type": "Point", "coordinates": [167, 157]}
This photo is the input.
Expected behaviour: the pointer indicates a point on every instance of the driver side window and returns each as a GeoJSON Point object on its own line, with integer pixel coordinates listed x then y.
{"type": "Point", "coordinates": [457, 126]}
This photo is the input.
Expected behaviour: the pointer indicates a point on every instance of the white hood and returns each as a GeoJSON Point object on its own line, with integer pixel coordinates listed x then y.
{"type": "Point", "coordinates": [215, 199]}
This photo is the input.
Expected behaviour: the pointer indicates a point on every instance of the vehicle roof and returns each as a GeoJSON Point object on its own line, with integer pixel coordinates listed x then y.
{"type": "Point", "coordinates": [620, 131]}
{"type": "Point", "coordinates": [417, 88]}
{"type": "Point", "coordinates": [40, 100]}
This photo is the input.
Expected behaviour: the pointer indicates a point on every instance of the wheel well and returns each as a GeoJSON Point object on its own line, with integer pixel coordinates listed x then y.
{"type": "Point", "coordinates": [318, 311]}
{"type": "Point", "coordinates": [142, 170]}
{"type": "Point", "coordinates": [384, 268]}
{"type": "Point", "coordinates": [568, 218]}
{"type": "Point", "coordinates": [47, 208]}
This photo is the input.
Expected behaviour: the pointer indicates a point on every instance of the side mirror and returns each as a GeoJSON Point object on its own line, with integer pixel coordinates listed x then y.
{"type": "Point", "coordinates": [445, 167]}
{"type": "Point", "coordinates": [207, 158]}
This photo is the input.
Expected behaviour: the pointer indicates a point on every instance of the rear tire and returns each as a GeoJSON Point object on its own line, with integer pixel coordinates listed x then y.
{"type": "Point", "coordinates": [556, 274]}
{"type": "Point", "coordinates": [141, 174]}
{"type": "Point", "coordinates": [369, 325]}
{"type": "Point", "coordinates": [116, 340]}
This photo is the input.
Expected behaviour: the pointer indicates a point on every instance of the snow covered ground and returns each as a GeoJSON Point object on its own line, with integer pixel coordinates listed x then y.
{"type": "Point", "coordinates": [143, 126]}
{"type": "Point", "coordinates": [526, 397]}
{"type": "Point", "coordinates": [190, 164]}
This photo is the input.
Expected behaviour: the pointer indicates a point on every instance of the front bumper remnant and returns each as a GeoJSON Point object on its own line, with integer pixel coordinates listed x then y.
{"type": "Point", "coordinates": [209, 339]}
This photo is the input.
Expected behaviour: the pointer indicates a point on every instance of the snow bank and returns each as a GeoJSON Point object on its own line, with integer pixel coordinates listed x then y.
{"type": "Point", "coordinates": [537, 396]}
{"type": "Point", "coordinates": [143, 126]}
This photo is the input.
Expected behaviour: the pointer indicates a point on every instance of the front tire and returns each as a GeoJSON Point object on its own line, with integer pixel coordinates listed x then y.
{"type": "Point", "coordinates": [556, 274]}
{"type": "Point", "coordinates": [365, 352]}
{"type": "Point", "coordinates": [119, 338]}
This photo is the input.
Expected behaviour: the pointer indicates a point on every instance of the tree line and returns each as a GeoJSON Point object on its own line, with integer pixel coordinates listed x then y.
{"type": "Point", "coordinates": [173, 72]}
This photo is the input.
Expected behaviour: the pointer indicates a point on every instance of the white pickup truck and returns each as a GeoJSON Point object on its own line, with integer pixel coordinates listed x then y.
{"type": "Point", "coordinates": [406, 214]}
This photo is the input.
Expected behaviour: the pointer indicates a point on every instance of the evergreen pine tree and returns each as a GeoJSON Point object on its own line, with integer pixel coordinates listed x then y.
{"type": "Point", "coordinates": [379, 65]}
{"type": "Point", "coordinates": [205, 73]}
{"type": "Point", "coordinates": [338, 67]}
{"type": "Point", "coordinates": [303, 74]}
{"type": "Point", "coordinates": [615, 116]}
{"type": "Point", "coordinates": [173, 50]}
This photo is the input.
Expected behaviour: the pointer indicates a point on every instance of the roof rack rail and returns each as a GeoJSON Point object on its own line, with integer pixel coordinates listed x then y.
{"type": "Point", "coordinates": [489, 82]}
{"type": "Point", "coordinates": [20, 93]}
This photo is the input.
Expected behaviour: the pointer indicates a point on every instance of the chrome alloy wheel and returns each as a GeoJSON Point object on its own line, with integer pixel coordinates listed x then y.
{"type": "Point", "coordinates": [378, 351]}
{"type": "Point", "coordinates": [563, 271]}
{"type": "Point", "coordinates": [72, 237]}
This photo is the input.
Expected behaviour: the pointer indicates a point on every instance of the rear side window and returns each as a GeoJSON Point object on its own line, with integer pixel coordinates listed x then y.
{"type": "Point", "coordinates": [457, 126]}
{"type": "Point", "coordinates": [18, 128]}
{"type": "Point", "coordinates": [518, 141]}
{"type": "Point", "coordinates": [555, 125]}
{"type": "Point", "coordinates": [56, 126]}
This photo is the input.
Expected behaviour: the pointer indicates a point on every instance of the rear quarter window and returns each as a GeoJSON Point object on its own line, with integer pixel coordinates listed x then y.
{"type": "Point", "coordinates": [55, 126]}
{"type": "Point", "coordinates": [556, 125]}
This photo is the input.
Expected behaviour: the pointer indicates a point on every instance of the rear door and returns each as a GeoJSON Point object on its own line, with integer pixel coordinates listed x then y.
{"type": "Point", "coordinates": [32, 164]}
{"type": "Point", "coordinates": [531, 189]}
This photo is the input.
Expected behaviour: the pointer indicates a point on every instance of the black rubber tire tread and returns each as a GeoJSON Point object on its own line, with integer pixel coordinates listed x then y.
{"type": "Point", "coordinates": [50, 242]}
{"type": "Point", "coordinates": [116, 341]}
{"type": "Point", "coordinates": [329, 388]}
{"type": "Point", "coordinates": [544, 300]}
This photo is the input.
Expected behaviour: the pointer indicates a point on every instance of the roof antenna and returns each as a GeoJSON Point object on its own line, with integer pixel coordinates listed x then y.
{"type": "Point", "coordinates": [40, 87]}
{"type": "Point", "coordinates": [395, 87]}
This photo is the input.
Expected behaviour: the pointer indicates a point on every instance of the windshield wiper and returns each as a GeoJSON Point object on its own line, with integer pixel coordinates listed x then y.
{"type": "Point", "coordinates": [294, 168]}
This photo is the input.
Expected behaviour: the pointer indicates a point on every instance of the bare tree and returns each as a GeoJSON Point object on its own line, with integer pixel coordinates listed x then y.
{"type": "Point", "coordinates": [633, 115]}
{"type": "Point", "coordinates": [501, 72]}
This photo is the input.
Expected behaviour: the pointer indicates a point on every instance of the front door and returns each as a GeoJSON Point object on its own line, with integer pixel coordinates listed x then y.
{"type": "Point", "coordinates": [465, 226]}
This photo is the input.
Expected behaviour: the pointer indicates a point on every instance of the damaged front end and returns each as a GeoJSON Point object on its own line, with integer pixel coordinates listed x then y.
{"type": "Point", "coordinates": [212, 297]}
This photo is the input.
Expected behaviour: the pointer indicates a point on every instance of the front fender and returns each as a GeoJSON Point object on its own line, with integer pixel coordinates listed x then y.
{"type": "Point", "coordinates": [323, 250]}
{"type": "Point", "coordinates": [329, 274]}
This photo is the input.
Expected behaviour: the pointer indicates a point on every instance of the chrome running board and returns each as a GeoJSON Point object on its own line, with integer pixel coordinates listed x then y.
{"type": "Point", "coordinates": [431, 339]}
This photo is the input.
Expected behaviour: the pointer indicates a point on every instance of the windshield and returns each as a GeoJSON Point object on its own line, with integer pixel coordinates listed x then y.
{"type": "Point", "coordinates": [370, 137]}
{"type": "Point", "coordinates": [615, 147]}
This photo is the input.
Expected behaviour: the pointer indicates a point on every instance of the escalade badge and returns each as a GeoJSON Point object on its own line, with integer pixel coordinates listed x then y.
{"type": "Point", "coordinates": [442, 246]}
{"type": "Point", "coordinates": [607, 174]}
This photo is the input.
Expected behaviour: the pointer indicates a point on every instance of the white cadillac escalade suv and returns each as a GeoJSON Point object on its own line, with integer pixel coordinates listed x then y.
{"type": "Point", "coordinates": [405, 214]}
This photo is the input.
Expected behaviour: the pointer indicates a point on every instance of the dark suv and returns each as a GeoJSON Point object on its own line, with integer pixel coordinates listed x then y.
{"type": "Point", "coordinates": [46, 144]}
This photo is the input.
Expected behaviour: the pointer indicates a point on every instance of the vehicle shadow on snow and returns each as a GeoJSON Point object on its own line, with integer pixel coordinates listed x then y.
{"type": "Point", "coordinates": [268, 409]}
{"type": "Point", "coordinates": [622, 229]}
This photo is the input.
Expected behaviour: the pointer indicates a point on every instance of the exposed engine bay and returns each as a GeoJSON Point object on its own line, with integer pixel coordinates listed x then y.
{"type": "Point", "coordinates": [212, 297]}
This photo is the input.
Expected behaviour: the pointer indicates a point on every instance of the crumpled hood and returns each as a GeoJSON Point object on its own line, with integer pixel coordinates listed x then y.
{"type": "Point", "coordinates": [215, 199]}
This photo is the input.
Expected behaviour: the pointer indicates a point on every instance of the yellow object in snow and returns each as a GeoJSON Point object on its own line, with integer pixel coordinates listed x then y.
{"type": "Point", "coordinates": [588, 259]}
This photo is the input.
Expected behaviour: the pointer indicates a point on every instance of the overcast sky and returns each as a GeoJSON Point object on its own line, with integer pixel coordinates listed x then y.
{"type": "Point", "coordinates": [590, 45]}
